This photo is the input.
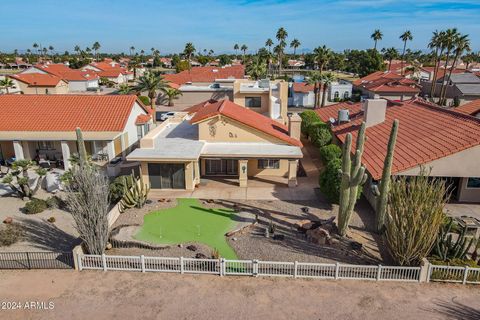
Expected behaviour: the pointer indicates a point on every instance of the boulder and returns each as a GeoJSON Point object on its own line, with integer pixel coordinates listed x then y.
{"type": "Point", "coordinates": [304, 224]}
{"type": "Point", "coordinates": [52, 182]}
{"type": "Point", "coordinates": [200, 256]}
{"type": "Point", "coordinates": [8, 220]}
{"type": "Point", "coordinates": [109, 246]}
{"type": "Point", "coordinates": [318, 235]}
{"type": "Point", "coordinates": [192, 248]}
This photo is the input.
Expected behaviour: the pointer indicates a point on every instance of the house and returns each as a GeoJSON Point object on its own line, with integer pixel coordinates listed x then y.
{"type": "Point", "coordinates": [446, 141]}
{"type": "Point", "coordinates": [110, 70]}
{"type": "Point", "coordinates": [219, 139]}
{"type": "Point", "coordinates": [78, 80]}
{"type": "Point", "coordinates": [36, 83]}
{"type": "Point", "coordinates": [295, 64]}
{"type": "Point", "coordinates": [472, 108]}
{"type": "Point", "coordinates": [461, 88]}
{"type": "Point", "coordinates": [14, 89]}
{"type": "Point", "coordinates": [302, 94]}
{"type": "Point", "coordinates": [427, 73]}
{"type": "Point", "coordinates": [388, 85]}
{"type": "Point", "coordinates": [167, 62]}
{"type": "Point", "coordinates": [43, 126]}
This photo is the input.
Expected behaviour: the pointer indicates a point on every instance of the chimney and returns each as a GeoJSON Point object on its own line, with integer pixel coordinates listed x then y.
{"type": "Point", "coordinates": [374, 111]}
{"type": "Point", "coordinates": [294, 125]}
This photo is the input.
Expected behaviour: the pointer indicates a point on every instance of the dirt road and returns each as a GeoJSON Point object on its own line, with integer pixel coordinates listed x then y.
{"type": "Point", "coordinates": [122, 295]}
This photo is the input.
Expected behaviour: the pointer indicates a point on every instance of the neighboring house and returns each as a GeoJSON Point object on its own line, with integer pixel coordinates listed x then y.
{"type": "Point", "coordinates": [78, 80]}
{"type": "Point", "coordinates": [295, 64]}
{"type": "Point", "coordinates": [219, 138]}
{"type": "Point", "coordinates": [302, 94]}
{"type": "Point", "coordinates": [167, 62]}
{"type": "Point", "coordinates": [446, 141]}
{"type": "Point", "coordinates": [387, 84]}
{"type": "Point", "coordinates": [37, 83]}
{"type": "Point", "coordinates": [426, 73]}
{"type": "Point", "coordinates": [14, 89]}
{"type": "Point", "coordinates": [472, 108]}
{"type": "Point", "coordinates": [110, 70]}
{"type": "Point", "coordinates": [461, 88]}
{"type": "Point", "coordinates": [44, 126]}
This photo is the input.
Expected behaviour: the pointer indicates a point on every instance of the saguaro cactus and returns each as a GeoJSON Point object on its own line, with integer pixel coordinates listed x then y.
{"type": "Point", "coordinates": [82, 151]}
{"type": "Point", "coordinates": [353, 176]}
{"type": "Point", "coordinates": [381, 191]}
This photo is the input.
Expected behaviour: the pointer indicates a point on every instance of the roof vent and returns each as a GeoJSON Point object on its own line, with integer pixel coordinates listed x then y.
{"type": "Point", "coordinates": [215, 70]}
{"type": "Point", "coordinates": [343, 115]}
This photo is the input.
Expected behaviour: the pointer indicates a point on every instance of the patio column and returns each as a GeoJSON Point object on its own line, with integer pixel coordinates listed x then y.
{"type": "Point", "coordinates": [18, 148]}
{"type": "Point", "coordinates": [66, 154]}
{"type": "Point", "coordinates": [111, 150]}
{"type": "Point", "coordinates": [189, 177]}
{"type": "Point", "coordinates": [196, 171]}
{"type": "Point", "coordinates": [292, 173]}
{"type": "Point", "coordinates": [243, 172]}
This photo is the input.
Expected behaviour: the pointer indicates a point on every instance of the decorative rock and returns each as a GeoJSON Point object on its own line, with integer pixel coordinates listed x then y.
{"type": "Point", "coordinates": [8, 220]}
{"type": "Point", "coordinates": [318, 235]}
{"type": "Point", "coordinates": [303, 224]}
{"type": "Point", "coordinates": [109, 246]}
{"type": "Point", "coordinates": [211, 201]}
{"type": "Point", "coordinates": [192, 248]}
{"type": "Point", "coordinates": [180, 245]}
{"type": "Point", "coordinates": [305, 209]}
{"type": "Point", "coordinates": [234, 239]}
{"type": "Point", "coordinates": [200, 256]}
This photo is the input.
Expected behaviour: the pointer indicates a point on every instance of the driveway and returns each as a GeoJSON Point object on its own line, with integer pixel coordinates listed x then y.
{"type": "Point", "coordinates": [132, 295]}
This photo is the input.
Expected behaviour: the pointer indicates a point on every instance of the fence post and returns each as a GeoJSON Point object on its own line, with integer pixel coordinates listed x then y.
{"type": "Point", "coordinates": [255, 267]}
{"type": "Point", "coordinates": [182, 270]}
{"type": "Point", "coordinates": [429, 272]}
{"type": "Point", "coordinates": [379, 273]}
{"type": "Point", "coordinates": [104, 262]}
{"type": "Point", "coordinates": [295, 269]}
{"type": "Point", "coordinates": [465, 275]}
{"type": "Point", "coordinates": [79, 261]}
{"type": "Point", "coordinates": [28, 261]}
{"type": "Point", "coordinates": [337, 269]}
{"type": "Point", "coordinates": [222, 262]}
{"type": "Point", "coordinates": [142, 261]}
{"type": "Point", "coordinates": [424, 273]}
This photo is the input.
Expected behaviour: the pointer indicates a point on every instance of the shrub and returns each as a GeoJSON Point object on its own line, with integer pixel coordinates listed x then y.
{"type": "Point", "coordinates": [10, 234]}
{"type": "Point", "coordinates": [308, 117]}
{"type": "Point", "coordinates": [145, 100]}
{"type": "Point", "coordinates": [116, 188]}
{"type": "Point", "coordinates": [330, 179]}
{"type": "Point", "coordinates": [51, 219]}
{"type": "Point", "coordinates": [319, 134]}
{"type": "Point", "coordinates": [55, 202]}
{"type": "Point", "coordinates": [215, 254]}
{"type": "Point", "coordinates": [35, 206]}
{"type": "Point", "coordinates": [330, 152]}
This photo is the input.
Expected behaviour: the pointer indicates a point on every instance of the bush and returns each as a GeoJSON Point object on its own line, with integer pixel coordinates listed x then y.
{"type": "Point", "coordinates": [10, 234]}
{"type": "Point", "coordinates": [35, 206]}
{"type": "Point", "coordinates": [330, 179]}
{"type": "Point", "coordinates": [308, 117]}
{"type": "Point", "coordinates": [116, 188]}
{"type": "Point", "coordinates": [330, 152]}
{"type": "Point", "coordinates": [145, 100]}
{"type": "Point", "coordinates": [51, 220]}
{"type": "Point", "coordinates": [319, 134]}
{"type": "Point", "coordinates": [55, 202]}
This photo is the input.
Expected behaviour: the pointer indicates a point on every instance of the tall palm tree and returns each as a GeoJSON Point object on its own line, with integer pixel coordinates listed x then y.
{"type": "Point", "coordinates": [77, 49]}
{"type": "Point", "coordinates": [151, 82]}
{"type": "Point", "coordinates": [236, 47]}
{"type": "Point", "coordinates": [390, 54]}
{"type": "Point", "coordinates": [132, 50]}
{"type": "Point", "coordinates": [281, 36]}
{"type": "Point", "coordinates": [406, 36]}
{"type": "Point", "coordinates": [449, 39]}
{"type": "Point", "coordinates": [326, 79]}
{"type": "Point", "coordinates": [51, 48]}
{"type": "Point", "coordinates": [244, 48]}
{"type": "Point", "coordinates": [257, 68]}
{"type": "Point", "coordinates": [172, 94]}
{"type": "Point", "coordinates": [6, 83]}
{"type": "Point", "coordinates": [322, 56]}
{"type": "Point", "coordinates": [35, 47]}
{"type": "Point", "coordinates": [437, 43]}
{"type": "Point", "coordinates": [96, 46]}
{"type": "Point", "coordinates": [188, 52]}
{"type": "Point", "coordinates": [269, 44]}
{"type": "Point", "coordinates": [376, 36]}
{"type": "Point", "coordinates": [315, 79]}
{"type": "Point", "coordinates": [30, 51]}
{"type": "Point", "coordinates": [462, 44]}
{"type": "Point", "coordinates": [295, 44]}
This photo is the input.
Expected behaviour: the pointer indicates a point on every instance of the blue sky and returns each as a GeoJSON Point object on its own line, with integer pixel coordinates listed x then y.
{"type": "Point", "coordinates": [218, 25]}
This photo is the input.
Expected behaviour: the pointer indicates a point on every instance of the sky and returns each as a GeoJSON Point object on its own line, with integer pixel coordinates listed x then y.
{"type": "Point", "coordinates": [218, 25]}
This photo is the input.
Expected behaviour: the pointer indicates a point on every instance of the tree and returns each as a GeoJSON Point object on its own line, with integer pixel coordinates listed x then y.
{"type": "Point", "coordinates": [436, 42]}
{"type": "Point", "coordinates": [77, 49]}
{"type": "Point", "coordinates": [6, 83]}
{"type": "Point", "coordinates": [236, 47]}
{"type": "Point", "coordinates": [134, 64]}
{"type": "Point", "coordinates": [414, 216]}
{"type": "Point", "coordinates": [257, 68]}
{"type": "Point", "coordinates": [132, 50]}
{"type": "Point", "coordinates": [188, 52]}
{"type": "Point", "coordinates": [390, 54]}
{"type": "Point", "coordinates": [406, 36]}
{"type": "Point", "coordinates": [363, 62]}
{"type": "Point", "coordinates": [449, 39]}
{"type": "Point", "coordinates": [172, 94]}
{"type": "Point", "coordinates": [281, 36]}
{"type": "Point", "coordinates": [51, 48]}
{"type": "Point", "coordinates": [151, 82]}
{"type": "Point", "coordinates": [19, 181]}
{"type": "Point", "coordinates": [315, 78]}
{"type": "Point", "coordinates": [244, 48]}
{"type": "Point", "coordinates": [376, 36]}
{"type": "Point", "coordinates": [326, 79]}
{"type": "Point", "coordinates": [124, 89]}
{"type": "Point", "coordinates": [269, 44]}
{"type": "Point", "coordinates": [322, 56]}
{"type": "Point", "coordinates": [295, 44]}
{"type": "Point", "coordinates": [96, 46]}
{"type": "Point", "coordinates": [461, 43]}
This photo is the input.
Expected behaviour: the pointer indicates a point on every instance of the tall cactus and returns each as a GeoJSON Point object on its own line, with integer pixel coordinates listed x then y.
{"type": "Point", "coordinates": [381, 192]}
{"type": "Point", "coordinates": [445, 248]}
{"type": "Point", "coordinates": [352, 177]}
{"type": "Point", "coordinates": [82, 151]}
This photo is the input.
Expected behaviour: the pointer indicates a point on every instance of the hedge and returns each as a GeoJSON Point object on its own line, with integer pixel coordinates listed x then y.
{"type": "Point", "coordinates": [319, 134]}
{"type": "Point", "coordinates": [330, 179]}
{"type": "Point", "coordinates": [308, 117]}
{"type": "Point", "coordinates": [330, 152]}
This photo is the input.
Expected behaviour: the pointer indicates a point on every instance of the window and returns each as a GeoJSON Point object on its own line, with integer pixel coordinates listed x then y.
{"type": "Point", "coordinates": [345, 95]}
{"type": "Point", "coordinates": [45, 145]}
{"type": "Point", "coordinates": [473, 183]}
{"type": "Point", "coordinates": [336, 94]}
{"type": "Point", "coordinates": [139, 132]}
{"type": "Point", "coordinates": [268, 164]}
{"type": "Point", "coordinates": [253, 102]}
{"type": "Point", "coordinates": [146, 128]}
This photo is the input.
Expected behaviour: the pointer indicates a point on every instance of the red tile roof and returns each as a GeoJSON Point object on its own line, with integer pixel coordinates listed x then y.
{"type": "Point", "coordinates": [142, 119]}
{"type": "Point", "coordinates": [471, 108]}
{"type": "Point", "coordinates": [64, 72]}
{"type": "Point", "coordinates": [380, 81]}
{"type": "Point", "coordinates": [206, 74]}
{"type": "Point", "coordinates": [65, 112]}
{"type": "Point", "coordinates": [37, 79]}
{"type": "Point", "coordinates": [302, 87]}
{"type": "Point", "coordinates": [243, 115]}
{"type": "Point", "coordinates": [426, 133]}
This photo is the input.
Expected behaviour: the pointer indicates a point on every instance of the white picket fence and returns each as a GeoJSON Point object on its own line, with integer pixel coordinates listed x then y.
{"type": "Point", "coordinates": [455, 274]}
{"type": "Point", "coordinates": [224, 267]}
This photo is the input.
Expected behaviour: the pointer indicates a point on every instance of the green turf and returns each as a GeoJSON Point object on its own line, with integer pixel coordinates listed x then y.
{"type": "Point", "coordinates": [189, 221]}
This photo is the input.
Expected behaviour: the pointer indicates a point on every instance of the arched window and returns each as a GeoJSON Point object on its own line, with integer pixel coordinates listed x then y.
{"type": "Point", "coordinates": [336, 94]}
{"type": "Point", "coordinates": [345, 95]}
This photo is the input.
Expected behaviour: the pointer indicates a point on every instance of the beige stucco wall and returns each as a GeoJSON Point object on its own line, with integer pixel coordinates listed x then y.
{"type": "Point", "coordinates": [253, 170]}
{"type": "Point", "coordinates": [61, 88]}
{"type": "Point", "coordinates": [190, 98]}
{"type": "Point", "coordinates": [468, 194]}
{"type": "Point", "coordinates": [189, 172]}
{"type": "Point", "coordinates": [228, 130]}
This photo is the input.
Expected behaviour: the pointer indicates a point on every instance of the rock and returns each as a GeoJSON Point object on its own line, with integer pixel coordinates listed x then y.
{"type": "Point", "coordinates": [210, 201]}
{"type": "Point", "coordinates": [332, 241]}
{"type": "Point", "coordinates": [109, 246]}
{"type": "Point", "coordinates": [356, 245]}
{"type": "Point", "coordinates": [234, 239]}
{"type": "Point", "coordinates": [318, 235]}
{"type": "Point", "coordinates": [200, 256]}
{"type": "Point", "coordinates": [305, 224]}
{"type": "Point", "coordinates": [278, 237]}
{"type": "Point", "coordinates": [180, 245]}
{"type": "Point", "coordinates": [161, 200]}
{"type": "Point", "coordinates": [192, 248]}
{"type": "Point", "coordinates": [8, 220]}
{"type": "Point", "coordinates": [305, 209]}
{"type": "Point", "coordinates": [52, 182]}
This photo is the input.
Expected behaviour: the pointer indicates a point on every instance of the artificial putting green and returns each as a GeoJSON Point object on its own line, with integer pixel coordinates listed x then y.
{"type": "Point", "coordinates": [189, 221]}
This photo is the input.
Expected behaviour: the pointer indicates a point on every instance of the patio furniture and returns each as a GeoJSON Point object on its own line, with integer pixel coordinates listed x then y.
{"type": "Point", "coordinates": [45, 164]}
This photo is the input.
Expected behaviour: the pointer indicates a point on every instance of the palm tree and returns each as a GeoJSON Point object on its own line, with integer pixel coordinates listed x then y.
{"type": "Point", "coordinates": [462, 44]}
{"type": "Point", "coordinates": [172, 94]}
{"type": "Point", "coordinates": [132, 50]}
{"type": "Point", "coordinates": [35, 47]}
{"type": "Point", "coordinates": [51, 48]}
{"type": "Point", "coordinates": [327, 79]}
{"type": "Point", "coordinates": [390, 54]}
{"type": "Point", "coordinates": [77, 49]}
{"type": "Point", "coordinates": [244, 48]}
{"type": "Point", "coordinates": [281, 36]}
{"type": "Point", "coordinates": [376, 36]}
{"type": "Point", "coordinates": [45, 50]}
{"type": "Point", "coordinates": [133, 63]}
{"type": "Point", "coordinates": [295, 44]}
{"type": "Point", "coordinates": [406, 36]}
{"type": "Point", "coordinates": [257, 69]}
{"type": "Point", "coordinates": [315, 79]}
{"type": "Point", "coordinates": [151, 82]}
{"type": "Point", "coordinates": [124, 89]}
{"type": "Point", "coordinates": [96, 46]}
{"type": "Point", "coordinates": [322, 56]}
{"type": "Point", "coordinates": [436, 42]}
{"type": "Point", "coordinates": [449, 39]}
{"type": "Point", "coordinates": [188, 52]}
{"type": "Point", "coordinates": [30, 51]}
{"type": "Point", "coordinates": [236, 47]}
{"type": "Point", "coordinates": [6, 83]}
{"type": "Point", "coordinates": [269, 44]}
{"type": "Point", "coordinates": [88, 51]}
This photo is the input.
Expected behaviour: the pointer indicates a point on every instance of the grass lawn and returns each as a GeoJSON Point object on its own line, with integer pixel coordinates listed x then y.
{"type": "Point", "coordinates": [189, 221]}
